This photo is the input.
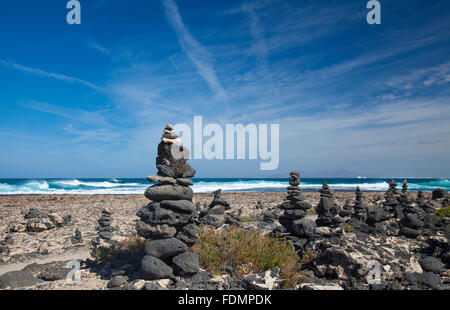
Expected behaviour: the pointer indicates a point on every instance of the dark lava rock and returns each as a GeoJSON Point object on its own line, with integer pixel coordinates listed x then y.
{"type": "Point", "coordinates": [410, 233]}
{"type": "Point", "coordinates": [165, 248]}
{"type": "Point", "coordinates": [438, 193]}
{"type": "Point", "coordinates": [18, 279]}
{"type": "Point", "coordinates": [34, 213]}
{"type": "Point", "coordinates": [216, 210]}
{"type": "Point", "coordinates": [155, 215]}
{"type": "Point", "coordinates": [185, 181]}
{"type": "Point", "coordinates": [429, 263]}
{"type": "Point", "coordinates": [190, 230]}
{"type": "Point", "coordinates": [411, 221]}
{"type": "Point", "coordinates": [105, 235]}
{"type": "Point", "coordinates": [162, 192]}
{"type": "Point", "coordinates": [304, 228]}
{"type": "Point", "coordinates": [117, 281]}
{"type": "Point", "coordinates": [188, 263]}
{"type": "Point", "coordinates": [213, 220]}
{"type": "Point", "coordinates": [151, 287]}
{"type": "Point", "coordinates": [155, 231]}
{"type": "Point", "coordinates": [427, 278]}
{"type": "Point", "coordinates": [153, 268]}
{"type": "Point", "coordinates": [78, 238]}
{"type": "Point", "coordinates": [181, 205]}
{"type": "Point", "coordinates": [432, 280]}
{"type": "Point", "coordinates": [181, 236]}
{"type": "Point", "coordinates": [54, 274]}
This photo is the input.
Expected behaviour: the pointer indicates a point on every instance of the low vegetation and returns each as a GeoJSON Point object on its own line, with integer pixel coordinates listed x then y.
{"type": "Point", "coordinates": [133, 245]}
{"type": "Point", "coordinates": [245, 219]}
{"type": "Point", "coordinates": [349, 228]}
{"type": "Point", "coordinates": [247, 252]}
{"type": "Point", "coordinates": [443, 212]}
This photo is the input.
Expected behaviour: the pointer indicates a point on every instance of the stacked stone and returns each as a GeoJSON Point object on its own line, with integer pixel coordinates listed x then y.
{"type": "Point", "coordinates": [359, 209]}
{"type": "Point", "coordinates": [168, 219]}
{"type": "Point", "coordinates": [214, 215]}
{"type": "Point", "coordinates": [420, 198]}
{"type": "Point", "coordinates": [295, 207]}
{"type": "Point", "coordinates": [404, 186]}
{"type": "Point", "coordinates": [411, 225]}
{"type": "Point", "coordinates": [407, 202]}
{"type": "Point", "coordinates": [438, 193]}
{"type": "Point", "coordinates": [326, 209]}
{"type": "Point", "coordinates": [259, 205]}
{"type": "Point", "coordinates": [347, 210]}
{"type": "Point", "coordinates": [105, 229]}
{"type": "Point", "coordinates": [423, 204]}
{"type": "Point", "coordinates": [77, 238]}
{"type": "Point", "coordinates": [392, 203]}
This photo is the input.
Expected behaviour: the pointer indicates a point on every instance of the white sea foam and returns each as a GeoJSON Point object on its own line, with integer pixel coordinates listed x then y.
{"type": "Point", "coordinates": [114, 186]}
{"type": "Point", "coordinates": [105, 184]}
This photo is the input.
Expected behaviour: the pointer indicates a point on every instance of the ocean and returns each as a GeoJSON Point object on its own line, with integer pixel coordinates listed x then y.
{"type": "Point", "coordinates": [203, 185]}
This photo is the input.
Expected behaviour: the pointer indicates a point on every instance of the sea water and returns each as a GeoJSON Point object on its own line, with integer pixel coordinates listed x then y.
{"type": "Point", "coordinates": [207, 185]}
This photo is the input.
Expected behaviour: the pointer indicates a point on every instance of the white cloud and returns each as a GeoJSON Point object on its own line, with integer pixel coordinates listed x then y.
{"type": "Point", "coordinates": [96, 46]}
{"type": "Point", "coordinates": [196, 52]}
{"type": "Point", "coordinates": [47, 74]}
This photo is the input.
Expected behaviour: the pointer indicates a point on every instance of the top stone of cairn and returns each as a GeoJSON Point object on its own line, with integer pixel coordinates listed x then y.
{"type": "Point", "coordinates": [172, 157]}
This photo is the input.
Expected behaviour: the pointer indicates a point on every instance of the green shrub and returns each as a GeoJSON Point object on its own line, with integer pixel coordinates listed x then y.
{"type": "Point", "coordinates": [443, 212]}
{"type": "Point", "coordinates": [133, 244]}
{"type": "Point", "coordinates": [247, 252]}
{"type": "Point", "coordinates": [349, 228]}
{"type": "Point", "coordinates": [245, 219]}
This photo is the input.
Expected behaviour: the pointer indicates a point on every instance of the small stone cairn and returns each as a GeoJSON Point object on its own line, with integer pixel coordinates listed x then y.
{"type": "Point", "coordinates": [392, 203]}
{"type": "Point", "coordinates": [326, 208]}
{"type": "Point", "coordinates": [296, 206]}
{"type": "Point", "coordinates": [168, 219]}
{"type": "Point", "coordinates": [104, 231]}
{"type": "Point", "coordinates": [359, 209]}
{"type": "Point", "coordinates": [214, 215]}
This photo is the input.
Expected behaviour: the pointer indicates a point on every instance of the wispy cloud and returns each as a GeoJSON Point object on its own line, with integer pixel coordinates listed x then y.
{"type": "Point", "coordinates": [99, 48]}
{"type": "Point", "coordinates": [197, 53]}
{"type": "Point", "coordinates": [86, 117]}
{"type": "Point", "coordinates": [47, 74]}
{"type": "Point", "coordinates": [424, 77]}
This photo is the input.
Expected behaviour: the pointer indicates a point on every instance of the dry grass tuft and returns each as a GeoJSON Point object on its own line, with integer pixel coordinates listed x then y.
{"type": "Point", "coordinates": [133, 244]}
{"type": "Point", "coordinates": [247, 252]}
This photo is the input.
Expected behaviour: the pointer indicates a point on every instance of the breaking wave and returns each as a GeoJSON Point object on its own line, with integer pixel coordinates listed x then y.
{"type": "Point", "coordinates": [138, 186]}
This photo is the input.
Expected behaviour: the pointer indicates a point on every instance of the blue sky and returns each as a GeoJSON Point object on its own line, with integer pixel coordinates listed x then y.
{"type": "Point", "coordinates": [91, 100]}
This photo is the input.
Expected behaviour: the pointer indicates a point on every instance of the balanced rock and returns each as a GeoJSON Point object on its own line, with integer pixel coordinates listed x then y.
{"type": "Point", "coordinates": [326, 208]}
{"type": "Point", "coordinates": [295, 208]}
{"type": "Point", "coordinates": [359, 209]}
{"type": "Point", "coordinates": [153, 268]}
{"type": "Point", "coordinates": [214, 215]}
{"type": "Point", "coordinates": [165, 248]}
{"type": "Point", "coordinates": [168, 220]}
{"type": "Point", "coordinates": [161, 192]}
{"type": "Point", "coordinates": [104, 231]}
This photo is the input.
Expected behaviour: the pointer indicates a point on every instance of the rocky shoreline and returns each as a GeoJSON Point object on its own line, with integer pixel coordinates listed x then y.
{"type": "Point", "coordinates": [84, 210]}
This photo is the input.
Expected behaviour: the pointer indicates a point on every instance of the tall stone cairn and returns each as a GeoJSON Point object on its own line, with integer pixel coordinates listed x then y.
{"type": "Point", "coordinates": [296, 206]}
{"type": "Point", "coordinates": [168, 220]}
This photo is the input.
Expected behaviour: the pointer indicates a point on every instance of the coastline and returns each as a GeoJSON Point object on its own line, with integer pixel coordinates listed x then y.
{"type": "Point", "coordinates": [85, 210]}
